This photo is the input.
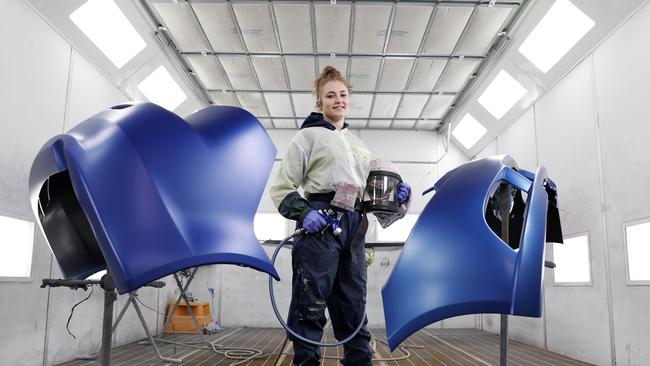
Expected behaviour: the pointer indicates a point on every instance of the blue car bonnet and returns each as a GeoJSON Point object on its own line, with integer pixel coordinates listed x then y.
{"type": "Point", "coordinates": [454, 264]}
{"type": "Point", "coordinates": [144, 193]}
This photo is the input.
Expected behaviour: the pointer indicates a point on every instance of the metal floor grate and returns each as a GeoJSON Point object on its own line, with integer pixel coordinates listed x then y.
{"type": "Point", "coordinates": [449, 347]}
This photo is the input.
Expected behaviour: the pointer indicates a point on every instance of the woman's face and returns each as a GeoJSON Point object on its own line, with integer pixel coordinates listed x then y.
{"type": "Point", "coordinates": [334, 101]}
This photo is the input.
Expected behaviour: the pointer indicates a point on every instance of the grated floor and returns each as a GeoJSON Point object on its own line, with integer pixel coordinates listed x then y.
{"type": "Point", "coordinates": [452, 347]}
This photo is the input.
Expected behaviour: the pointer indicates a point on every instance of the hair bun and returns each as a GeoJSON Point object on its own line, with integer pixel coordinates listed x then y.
{"type": "Point", "coordinates": [330, 72]}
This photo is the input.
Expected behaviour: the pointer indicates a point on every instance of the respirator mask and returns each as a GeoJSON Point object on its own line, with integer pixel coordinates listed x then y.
{"type": "Point", "coordinates": [382, 187]}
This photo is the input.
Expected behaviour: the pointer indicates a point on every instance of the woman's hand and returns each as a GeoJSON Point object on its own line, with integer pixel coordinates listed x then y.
{"type": "Point", "coordinates": [314, 222]}
{"type": "Point", "coordinates": [403, 193]}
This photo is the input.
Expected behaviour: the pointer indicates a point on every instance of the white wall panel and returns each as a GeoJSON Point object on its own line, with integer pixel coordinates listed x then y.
{"type": "Point", "coordinates": [577, 316]}
{"type": "Point", "coordinates": [622, 80]}
{"type": "Point", "coordinates": [519, 142]}
{"type": "Point", "coordinates": [34, 76]}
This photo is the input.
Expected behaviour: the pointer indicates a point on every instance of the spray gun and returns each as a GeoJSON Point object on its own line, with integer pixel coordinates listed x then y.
{"type": "Point", "coordinates": [333, 220]}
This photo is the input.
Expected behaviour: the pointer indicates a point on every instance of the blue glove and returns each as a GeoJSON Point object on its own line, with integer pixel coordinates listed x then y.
{"type": "Point", "coordinates": [314, 222]}
{"type": "Point", "coordinates": [404, 193]}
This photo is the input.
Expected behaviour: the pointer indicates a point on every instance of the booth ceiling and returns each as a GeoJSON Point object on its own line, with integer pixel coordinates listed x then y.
{"type": "Point", "coordinates": [409, 62]}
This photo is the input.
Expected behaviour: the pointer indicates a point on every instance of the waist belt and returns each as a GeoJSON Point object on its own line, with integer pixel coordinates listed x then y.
{"type": "Point", "coordinates": [329, 196]}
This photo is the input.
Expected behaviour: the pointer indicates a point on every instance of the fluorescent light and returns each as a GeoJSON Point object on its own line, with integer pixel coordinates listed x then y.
{"type": "Point", "coordinates": [468, 131]}
{"type": "Point", "coordinates": [572, 260]}
{"type": "Point", "coordinates": [502, 94]}
{"type": "Point", "coordinates": [559, 30]}
{"type": "Point", "coordinates": [398, 231]}
{"type": "Point", "coordinates": [269, 226]}
{"type": "Point", "coordinates": [160, 88]}
{"type": "Point", "coordinates": [105, 24]}
{"type": "Point", "coordinates": [638, 251]}
{"type": "Point", "coordinates": [16, 245]}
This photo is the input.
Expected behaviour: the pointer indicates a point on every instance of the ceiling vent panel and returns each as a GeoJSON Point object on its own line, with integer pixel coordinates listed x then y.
{"type": "Point", "coordinates": [403, 124]}
{"type": "Point", "coordinates": [270, 72]}
{"type": "Point", "coordinates": [456, 74]}
{"type": "Point", "coordinates": [294, 26]}
{"type": "Point", "coordinates": [363, 73]}
{"type": "Point", "coordinates": [370, 25]}
{"type": "Point", "coordinates": [208, 71]}
{"type": "Point", "coordinates": [253, 103]}
{"type": "Point", "coordinates": [239, 72]}
{"type": "Point", "coordinates": [279, 104]}
{"type": "Point", "coordinates": [284, 123]}
{"type": "Point", "coordinates": [304, 104]}
{"type": "Point", "coordinates": [408, 29]}
{"type": "Point", "coordinates": [256, 27]}
{"type": "Point", "coordinates": [221, 98]}
{"type": "Point", "coordinates": [379, 123]}
{"type": "Point", "coordinates": [340, 63]}
{"type": "Point", "coordinates": [437, 106]}
{"type": "Point", "coordinates": [385, 105]}
{"type": "Point", "coordinates": [426, 74]}
{"type": "Point", "coordinates": [266, 122]}
{"type": "Point", "coordinates": [357, 124]}
{"type": "Point", "coordinates": [219, 27]}
{"type": "Point", "coordinates": [332, 28]}
{"type": "Point", "coordinates": [395, 73]}
{"type": "Point", "coordinates": [448, 24]}
{"type": "Point", "coordinates": [360, 106]}
{"type": "Point", "coordinates": [426, 124]}
{"type": "Point", "coordinates": [185, 31]}
{"type": "Point", "coordinates": [482, 28]}
{"type": "Point", "coordinates": [411, 105]}
{"type": "Point", "coordinates": [301, 72]}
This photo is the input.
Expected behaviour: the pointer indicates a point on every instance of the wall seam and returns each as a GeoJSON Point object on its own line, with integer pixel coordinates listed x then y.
{"type": "Point", "coordinates": [601, 182]}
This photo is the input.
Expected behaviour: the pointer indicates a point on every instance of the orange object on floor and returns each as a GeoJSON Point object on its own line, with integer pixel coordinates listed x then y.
{"type": "Point", "coordinates": [182, 321]}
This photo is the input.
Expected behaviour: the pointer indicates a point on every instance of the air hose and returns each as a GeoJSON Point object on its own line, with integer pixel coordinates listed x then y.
{"type": "Point", "coordinates": [277, 312]}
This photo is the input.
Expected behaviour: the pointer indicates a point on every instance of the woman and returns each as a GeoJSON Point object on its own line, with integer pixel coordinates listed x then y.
{"type": "Point", "coordinates": [328, 271]}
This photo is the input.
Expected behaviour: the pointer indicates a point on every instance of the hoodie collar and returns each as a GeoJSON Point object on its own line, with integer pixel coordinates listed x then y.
{"type": "Point", "coordinates": [316, 119]}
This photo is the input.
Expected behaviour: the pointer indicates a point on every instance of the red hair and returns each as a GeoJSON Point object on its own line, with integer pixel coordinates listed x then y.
{"type": "Point", "coordinates": [328, 74]}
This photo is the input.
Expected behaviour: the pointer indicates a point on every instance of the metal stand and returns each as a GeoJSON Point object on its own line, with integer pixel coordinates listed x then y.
{"type": "Point", "coordinates": [133, 300]}
{"type": "Point", "coordinates": [505, 199]}
{"type": "Point", "coordinates": [183, 296]}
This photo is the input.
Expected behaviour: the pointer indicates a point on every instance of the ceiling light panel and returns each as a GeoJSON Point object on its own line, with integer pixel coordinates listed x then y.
{"type": "Point", "coordinates": [363, 73]}
{"type": "Point", "coordinates": [482, 28]}
{"type": "Point", "coordinates": [284, 123]}
{"type": "Point", "coordinates": [501, 94]}
{"type": "Point", "coordinates": [304, 104]}
{"type": "Point", "coordinates": [357, 124]}
{"type": "Point", "coordinates": [179, 20]}
{"type": "Point", "coordinates": [408, 29]}
{"type": "Point", "coordinates": [239, 72]}
{"type": "Point", "coordinates": [253, 103]}
{"type": "Point", "coordinates": [448, 24]}
{"type": "Point", "coordinates": [468, 131]}
{"type": "Point", "coordinates": [360, 105]}
{"type": "Point", "coordinates": [385, 105]}
{"type": "Point", "coordinates": [437, 106]}
{"type": "Point", "coordinates": [403, 124]}
{"type": "Point", "coordinates": [411, 105]}
{"type": "Point", "coordinates": [270, 72]}
{"type": "Point", "coordinates": [301, 72]}
{"type": "Point", "coordinates": [370, 25]}
{"type": "Point", "coordinates": [395, 74]}
{"type": "Point", "coordinates": [221, 98]}
{"type": "Point", "coordinates": [379, 123]}
{"type": "Point", "coordinates": [109, 29]}
{"type": "Point", "coordinates": [208, 71]}
{"type": "Point", "coordinates": [256, 26]}
{"type": "Point", "coordinates": [426, 74]}
{"type": "Point", "coordinates": [456, 74]}
{"type": "Point", "coordinates": [279, 104]}
{"type": "Point", "coordinates": [339, 63]}
{"type": "Point", "coordinates": [161, 88]}
{"type": "Point", "coordinates": [294, 26]}
{"type": "Point", "coordinates": [558, 31]}
{"type": "Point", "coordinates": [427, 124]}
{"type": "Point", "coordinates": [332, 27]}
{"type": "Point", "coordinates": [219, 26]}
